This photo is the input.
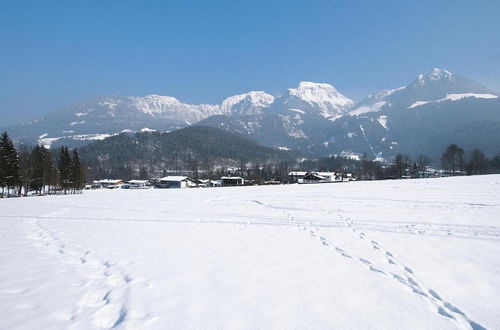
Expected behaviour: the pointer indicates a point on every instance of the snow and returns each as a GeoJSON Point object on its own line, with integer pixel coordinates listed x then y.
{"type": "Point", "coordinates": [366, 139]}
{"type": "Point", "coordinates": [323, 96]}
{"type": "Point", "coordinates": [86, 137]}
{"type": "Point", "coordinates": [382, 120]}
{"type": "Point", "coordinates": [145, 129]}
{"type": "Point", "coordinates": [351, 155]}
{"type": "Point", "coordinates": [47, 142]}
{"type": "Point", "coordinates": [455, 97]}
{"type": "Point", "coordinates": [419, 103]}
{"type": "Point", "coordinates": [406, 254]}
{"type": "Point", "coordinates": [159, 106]}
{"type": "Point", "coordinates": [73, 123]}
{"type": "Point", "coordinates": [374, 102]}
{"type": "Point", "coordinates": [80, 114]}
{"type": "Point", "coordinates": [247, 103]}
{"type": "Point", "coordinates": [376, 107]}
{"type": "Point", "coordinates": [109, 103]}
{"type": "Point", "coordinates": [434, 75]}
{"type": "Point", "coordinates": [177, 178]}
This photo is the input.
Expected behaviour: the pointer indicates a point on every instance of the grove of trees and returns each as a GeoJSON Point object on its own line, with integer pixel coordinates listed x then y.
{"type": "Point", "coordinates": [38, 170]}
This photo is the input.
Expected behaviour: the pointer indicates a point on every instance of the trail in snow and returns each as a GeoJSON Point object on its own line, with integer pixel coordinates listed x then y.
{"type": "Point", "coordinates": [366, 139]}
{"type": "Point", "coordinates": [402, 274]}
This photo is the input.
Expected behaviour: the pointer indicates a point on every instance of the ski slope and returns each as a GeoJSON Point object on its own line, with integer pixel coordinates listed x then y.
{"type": "Point", "coordinates": [406, 254]}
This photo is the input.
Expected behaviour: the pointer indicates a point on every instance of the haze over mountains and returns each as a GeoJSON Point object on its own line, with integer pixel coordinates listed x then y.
{"type": "Point", "coordinates": [433, 110]}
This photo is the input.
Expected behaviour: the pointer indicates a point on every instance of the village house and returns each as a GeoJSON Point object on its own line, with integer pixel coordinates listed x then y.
{"type": "Point", "coordinates": [215, 183]}
{"type": "Point", "coordinates": [176, 181]}
{"type": "Point", "coordinates": [228, 181]}
{"type": "Point", "coordinates": [295, 176]}
{"type": "Point", "coordinates": [136, 184]}
{"type": "Point", "coordinates": [314, 177]}
{"type": "Point", "coordinates": [108, 183]}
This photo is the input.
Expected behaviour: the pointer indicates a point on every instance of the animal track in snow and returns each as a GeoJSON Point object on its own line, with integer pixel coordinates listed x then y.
{"type": "Point", "coordinates": [105, 299]}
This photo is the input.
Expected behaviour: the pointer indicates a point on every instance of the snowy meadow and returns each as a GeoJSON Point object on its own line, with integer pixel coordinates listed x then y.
{"type": "Point", "coordinates": [406, 254]}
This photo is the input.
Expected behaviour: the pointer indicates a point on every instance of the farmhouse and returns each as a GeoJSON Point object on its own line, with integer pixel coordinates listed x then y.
{"type": "Point", "coordinates": [232, 181]}
{"type": "Point", "coordinates": [296, 176]}
{"type": "Point", "coordinates": [315, 177]}
{"type": "Point", "coordinates": [107, 183]}
{"type": "Point", "coordinates": [215, 183]}
{"type": "Point", "coordinates": [138, 184]}
{"type": "Point", "coordinates": [175, 181]}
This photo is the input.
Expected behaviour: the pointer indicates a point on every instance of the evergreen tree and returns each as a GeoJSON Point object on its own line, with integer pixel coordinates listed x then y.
{"type": "Point", "coordinates": [26, 169]}
{"type": "Point", "coordinates": [64, 167]}
{"type": "Point", "coordinates": [10, 174]}
{"type": "Point", "coordinates": [76, 172]}
{"type": "Point", "coordinates": [3, 164]}
{"type": "Point", "coordinates": [38, 168]}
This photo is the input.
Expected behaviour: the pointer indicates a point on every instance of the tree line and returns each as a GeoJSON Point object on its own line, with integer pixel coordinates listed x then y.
{"type": "Point", "coordinates": [38, 170]}
{"type": "Point", "coordinates": [454, 161]}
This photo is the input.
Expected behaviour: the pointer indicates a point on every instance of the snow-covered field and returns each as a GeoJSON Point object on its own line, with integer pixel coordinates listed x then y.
{"type": "Point", "coordinates": [407, 254]}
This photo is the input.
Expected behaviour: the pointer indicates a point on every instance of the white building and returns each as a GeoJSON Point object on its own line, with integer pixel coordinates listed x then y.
{"type": "Point", "coordinates": [108, 183]}
{"type": "Point", "coordinates": [138, 184]}
{"type": "Point", "coordinates": [176, 181]}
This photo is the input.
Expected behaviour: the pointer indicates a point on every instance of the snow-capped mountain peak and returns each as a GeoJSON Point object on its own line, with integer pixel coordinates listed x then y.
{"type": "Point", "coordinates": [435, 74]}
{"type": "Point", "coordinates": [154, 103]}
{"type": "Point", "coordinates": [321, 98]}
{"type": "Point", "coordinates": [247, 104]}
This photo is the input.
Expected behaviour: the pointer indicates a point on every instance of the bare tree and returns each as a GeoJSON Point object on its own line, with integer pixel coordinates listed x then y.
{"type": "Point", "coordinates": [453, 159]}
{"type": "Point", "coordinates": [423, 162]}
{"type": "Point", "coordinates": [401, 163]}
{"type": "Point", "coordinates": [478, 162]}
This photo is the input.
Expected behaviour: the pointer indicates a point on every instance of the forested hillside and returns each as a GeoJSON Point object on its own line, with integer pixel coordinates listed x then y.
{"type": "Point", "coordinates": [198, 148]}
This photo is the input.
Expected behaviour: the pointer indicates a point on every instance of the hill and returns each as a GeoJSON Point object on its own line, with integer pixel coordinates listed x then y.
{"type": "Point", "coordinates": [196, 148]}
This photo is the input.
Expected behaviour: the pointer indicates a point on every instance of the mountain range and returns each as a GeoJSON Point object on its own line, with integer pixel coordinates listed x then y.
{"type": "Point", "coordinates": [435, 109]}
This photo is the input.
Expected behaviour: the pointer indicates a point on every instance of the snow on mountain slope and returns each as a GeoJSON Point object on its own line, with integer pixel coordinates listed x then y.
{"type": "Point", "coordinates": [170, 107]}
{"type": "Point", "coordinates": [250, 103]}
{"type": "Point", "coordinates": [374, 102]}
{"type": "Point", "coordinates": [435, 84]}
{"type": "Point", "coordinates": [406, 254]}
{"type": "Point", "coordinates": [317, 99]}
{"type": "Point", "coordinates": [455, 97]}
{"type": "Point", "coordinates": [434, 75]}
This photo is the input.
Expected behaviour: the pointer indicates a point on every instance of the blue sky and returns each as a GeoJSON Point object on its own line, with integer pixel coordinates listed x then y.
{"type": "Point", "coordinates": [58, 52]}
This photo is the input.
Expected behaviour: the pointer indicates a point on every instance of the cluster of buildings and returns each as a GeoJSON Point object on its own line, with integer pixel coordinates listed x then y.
{"type": "Point", "coordinates": [172, 181]}
{"type": "Point", "coordinates": [318, 177]}
{"type": "Point", "coordinates": [179, 181]}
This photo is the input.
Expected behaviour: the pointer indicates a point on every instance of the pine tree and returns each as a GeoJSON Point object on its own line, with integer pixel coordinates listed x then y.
{"type": "Point", "coordinates": [10, 174]}
{"type": "Point", "coordinates": [3, 164]}
{"type": "Point", "coordinates": [26, 169]}
{"type": "Point", "coordinates": [37, 164]}
{"type": "Point", "coordinates": [76, 172]}
{"type": "Point", "coordinates": [64, 167]}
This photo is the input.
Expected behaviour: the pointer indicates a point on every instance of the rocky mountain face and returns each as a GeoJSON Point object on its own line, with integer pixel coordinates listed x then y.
{"type": "Point", "coordinates": [435, 109]}
{"type": "Point", "coordinates": [103, 117]}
